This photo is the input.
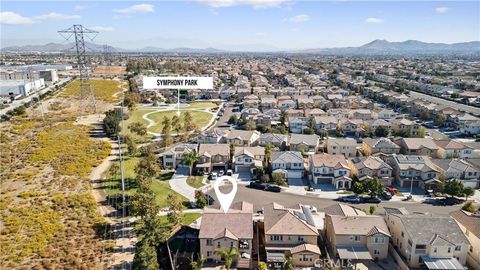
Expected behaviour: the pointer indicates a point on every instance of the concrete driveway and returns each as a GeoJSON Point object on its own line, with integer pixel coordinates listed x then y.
{"type": "Point", "coordinates": [178, 183]}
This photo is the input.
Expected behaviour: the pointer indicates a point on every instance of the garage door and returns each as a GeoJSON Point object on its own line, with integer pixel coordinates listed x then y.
{"type": "Point", "coordinates": [407, 183]}
{"type": "Point", "coordinates": [323, 180]}
{"type": "Point", "coordinates": [295, 174]}
{"type": "Point", "coordinates": [242, 169]}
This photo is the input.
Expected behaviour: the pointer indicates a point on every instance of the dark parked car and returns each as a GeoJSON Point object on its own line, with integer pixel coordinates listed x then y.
{"type": "Point", "coordinates": [272, 188]}
{"type": "Point", "coordinates": [351, 199]}
{"type": "Point", "coordinates": [256, 185]}
{"type": "Point", "coordinates": [373, 199]}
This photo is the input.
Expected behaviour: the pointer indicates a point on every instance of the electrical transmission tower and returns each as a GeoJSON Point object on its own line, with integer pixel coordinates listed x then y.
{"type": "Point", "coordinates": [107, 55]}
{"type": "Point", "coordinates": [85, 86]}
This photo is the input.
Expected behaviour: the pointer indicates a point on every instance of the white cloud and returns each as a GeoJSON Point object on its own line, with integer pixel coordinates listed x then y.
{"type": "Point", "coordinates": [298, 19]}
{"type": "Point", "coordinates": [441, 10]}
{"type": "Point", "coordinates": [140, 8]}
{"type": "Point", "coordinates": [8, 17]}
{"type": "Point", "coordinates": [53, 16]}
{"type": "Point", "coordinates": [256, 4]}
{"type": "Point", "coordinates": [79, 7]}
{"type": "Point", "coordinates": [374, 20]}
{"type": "Point", "coordinates": [260, 34]}
{"type": "Point", "coordinates": [102, 28]}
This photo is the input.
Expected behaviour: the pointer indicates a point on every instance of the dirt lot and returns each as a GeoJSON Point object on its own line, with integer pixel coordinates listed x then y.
{"type": "Point", "coordinates": [109, 71]}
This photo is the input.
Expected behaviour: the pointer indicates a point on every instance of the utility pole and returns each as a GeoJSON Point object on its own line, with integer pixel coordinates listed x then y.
{"type": "Point", "coordinates": [79, 32]}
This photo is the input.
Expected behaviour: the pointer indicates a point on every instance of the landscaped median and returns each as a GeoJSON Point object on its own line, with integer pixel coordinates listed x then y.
{"type": "Point", "coordinates": [195, 181]}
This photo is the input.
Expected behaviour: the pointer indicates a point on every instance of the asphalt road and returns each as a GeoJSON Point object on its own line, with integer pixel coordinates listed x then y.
{"type": "Point", "coordinates": [260, 198]}
{"type": "Point", "coordinates": [224, 118]}
{"type": "Point", "coordinates": [452, 104]}
{"type": "Point", "coordinates": [19, 102]}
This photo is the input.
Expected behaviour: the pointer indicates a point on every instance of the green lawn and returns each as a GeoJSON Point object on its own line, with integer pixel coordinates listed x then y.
{"type": "Point", "coordinates": [166, 175]}
{"type": "Point", "coordinates": [201, 105]}
{"type": "Point", "coordinates": [188, 218]}
{"type": "Point", "coordinates": [199, 118]}
{"type": "Point", "coordinates": [136, 116]}
{"type": "Point", "coordinates": [195, 181]}
{"type": "Point", "coordinates": [162, 188]}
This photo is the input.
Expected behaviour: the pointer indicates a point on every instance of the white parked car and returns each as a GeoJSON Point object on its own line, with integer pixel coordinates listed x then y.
{"type": "Point", "coordinates": [213, 176]}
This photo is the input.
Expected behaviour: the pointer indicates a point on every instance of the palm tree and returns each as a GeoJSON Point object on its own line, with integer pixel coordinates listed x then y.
{"type": "Point", "coordinates": [190, 159]}
{"type": "Point", "coordinates": [288, 264]}
{"type": "Point", "coordinates": [197, 265]}
{"type": "Point", "coordinates": [228, 255]}
{"type": "Point", "coordinates": [268, 152]}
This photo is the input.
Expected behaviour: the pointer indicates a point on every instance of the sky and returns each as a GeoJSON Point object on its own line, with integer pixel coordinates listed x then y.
{"type": "Point", "coordinates": [241, 24]}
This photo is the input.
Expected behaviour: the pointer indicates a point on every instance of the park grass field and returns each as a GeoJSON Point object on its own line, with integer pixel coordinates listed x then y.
{"type": "Point", "coordinates": [103, 90]}
{"type": "Point", "coordinates": [201, 119]}
{"type": "Point", "coordinates": [201, 105]}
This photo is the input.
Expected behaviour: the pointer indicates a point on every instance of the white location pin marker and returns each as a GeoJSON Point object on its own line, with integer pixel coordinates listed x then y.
{"type": "Point", "coordinates": [225, 199]}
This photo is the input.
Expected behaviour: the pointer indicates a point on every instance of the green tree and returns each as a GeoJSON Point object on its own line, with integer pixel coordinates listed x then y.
{"type": "Point", "coordinates": [198, 264]}
{"type": "Point", "coordinates": [166, 132]}
{"type": "Point", "coordinates": [421, 132]}
{"type": "Point", "coordinates": [440, 119]}
{"type": "Point", "coordinates": [227, 255]}
{"type": "Point", "coordinates": [200, 199]}
{"type": "Point", "coordinates": [111, 122]}
{"type": "Point", "coordinates": [176, 124]}
{"type": "Point", "coordinates": [374, 186]}
{"type": "Point", "coordinates": [262, 266]}
{"type": "Point", "coordinates": [175, 207]}
{"type": "Point", "coordinates": [469, 207]}
{"type": "Point", "coordinates": [279, 178]}
{"type": "Point", "coordinates": [131, 145]}
{"type": "Point", "coordinates": [138, 128]}
{"type": "Point", "coordinates": [148, 165]}
{"type": "Point", "coordinates": [283, 117]}
{"type": "Point", "coordinates": [189, 159]}
{"type": "Point", "coordinates": [467, 192]}
{"type": "Point", "coordinates": [250, 125]}
{"type": "Point", "coordinates": [143, 203]}
{"type": "Point", "coordinates": [288, 264]}
{"type": "Point", "coordinates": [188, 125]}
{"type": "Point", "coordinates": [454, 188]}
{"type": "Point", "coordinates": [145, 256]}
{"type": "Point", "coordinates": [381, 131]}
{"type": "Point", "coordinates": [372, 209]}
{"type": "Point", "coordinates": [233, 119]}
{"type": "Point", "coordinates": [232, 151]}
{"type": "Point", "coordinates": [357, 187]}
{"type": "Point", "coordinates": [268, 152]}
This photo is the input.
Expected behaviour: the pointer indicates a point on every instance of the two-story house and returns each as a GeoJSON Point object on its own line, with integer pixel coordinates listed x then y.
{"type": "Point", "coordinates": [469, 224]}
{"type": "Point", "coordinates": [380, 145]}
{"type": "Point", "coordinates": [214, 135]}
{"type": "Point", "coordinates": [233, 229]}
{"type": "Point", "coordinates": [291, 163]}
{"type": "Point", "coordinates": [302, 142]}
{"type": "Point", "coordinates": [173, 157]}
{"type": "Point", "coordinates": [213, 157]}
{"type": "Point", "coordinates": [346, 147]}
{"type": "Point", "coordinates": [327, 124]}
{"type": "Point", "coordinates": [459, 169]}
{"type": "Point", "coordinates": [357, 238]}
{"type": "Point", "coordinates": [297, 124]}
{"type": "Point", "coordinates": [369, 167]}
{"type": "Point", "coordinates": [418, 146]}
{"type": "Point", "coordinates": [330, 169]}
{"type": "Point", "coordinates": [405, 127]}
{"type": "Point", "coordinates": [415, 171]}
{"type": "Point", "coordinates": [453, 149]}
{"type": "Point", "coordinates": [242, 137]}
{"type": "Point", "coordinates": [424, 240]}
{"type": "Point", "coordinates": [289, 233]}
{"type": "Point", "coordinates": [247, 159]}
{"type": "Point", "coordinates": [279, 141]}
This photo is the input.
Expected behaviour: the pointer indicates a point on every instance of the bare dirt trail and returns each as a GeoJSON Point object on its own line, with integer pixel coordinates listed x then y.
{"type": "Point", "coordinates": [122, 229]}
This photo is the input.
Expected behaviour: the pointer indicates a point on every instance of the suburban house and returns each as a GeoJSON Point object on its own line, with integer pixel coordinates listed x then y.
{"type": "Point", "coordinates": [358, 238]}
{"type": "Point", "coordinates": [330, 169]}
{"type": "Point", "coordinates": [286, 104]}
{"type": "Point", "coordinates": [386, 114]}
{"type": "Point", "coordinates": [453, 149]}
{"type": "Point", "coordinates": [380, 145]}
{"type": "Point", "coordinates": [415, 171]}
{"type": "Point", "coordinates": [268, 102]}
{"type": "Point", "coordinates": [231, 230]}
{"type": "Point", "coordinates": [297, 124]}
{"type": "Point", "coordinates": [290, 163]}
{"type": "Point", "coordinates": [279, 141]}
{"type": "Point", "coordinates": [292, 232]}
{"type": "Point", "coordinates": [469, 224]}
{"type": "Point", "coordinates": [369, 167]}
{"type": "Point", "coordinates": [246, 159]}
{"type": "Point", "coordinates": [213, 157]}
{"type": "Point", "coordinates": [242, 137]}
{"type": "Point", "coordinates": [345, 147]}
{"type": "Point", "coordinates": [425, 240]}
{"type": "Point", "coordinates": [406, 127]}
{"type": "Point", "coordinates": [418, 146]}
{"type": "Point", "coordinates": [307, 143]}
{"type": "Point", "coordinates": [459, 169]}
{"type": "Point", "coordinates": [327, 124]}
{"type": "Point", "coordinates": [173, 157]}
{"type": "Point", "coordinates": [214, 135]}
{"type": "Point", "coordinates": [353, 127]}
{"type": "Point", "coordinates": [340, 209]}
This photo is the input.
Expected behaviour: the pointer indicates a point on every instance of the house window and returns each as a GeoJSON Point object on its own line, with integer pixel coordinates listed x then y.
{"type": "Point", "coordinates": [435, 250]}
{"type": "Point", "coordinates": [379, 240]}
{"type": "Point", "coordinates": [300, 238]}
{"type": "Point", "coordinates": [209, 242]}
{"type": "Point", "coordinates": [402, 234]}
{"type": "Point", "coordinates": [169, 164]}
{"type": "Point", "coordinates": [458, 248]}
{"type": "Point", "coordinates": [376, 252]}
{"type": "Point", "coordinates": [276, 238]}
{"type": "Point", "coordinates": [356, 238]}
{"type": "Point", "coordinates": [449, 249]}
{"type": "Point", "coordinates": [209, 253]}
{"type": "Point", "coordinates": [231, 244]}
{"type": "Point", "coordinates": [218, 244]}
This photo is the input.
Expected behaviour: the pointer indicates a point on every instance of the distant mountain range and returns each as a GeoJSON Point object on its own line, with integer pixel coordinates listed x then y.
{"type": "Point", "coordinates": [375, 47]}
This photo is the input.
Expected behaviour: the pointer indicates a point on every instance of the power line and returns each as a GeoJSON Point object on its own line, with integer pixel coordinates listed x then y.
{"type": "Point", "coordinates": [85, 87]}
